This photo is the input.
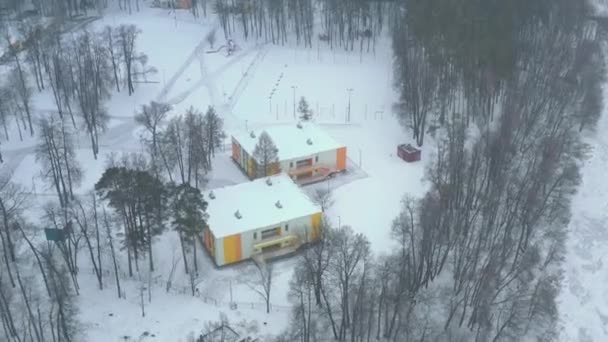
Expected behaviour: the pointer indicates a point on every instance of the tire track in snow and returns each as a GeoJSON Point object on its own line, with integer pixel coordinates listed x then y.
{"type": "Point", "coordinates": [180, 71]}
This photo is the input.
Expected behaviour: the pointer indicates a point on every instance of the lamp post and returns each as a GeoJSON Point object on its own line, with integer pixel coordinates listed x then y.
{"type": "Point", "coordinates": [294, 100]}
{"type": "Point", "coordinates": [270, 104]}
{"type": "Point", "coordinates": [349, 90]}
{"type": "Point", "coordinates": [339, 223]}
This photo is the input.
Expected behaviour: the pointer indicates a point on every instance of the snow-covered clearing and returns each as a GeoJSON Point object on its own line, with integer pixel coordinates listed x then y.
{"type": "Point", "coordinates": [259, 85]}
{"type": "Point", "coordinates": [366, 196]}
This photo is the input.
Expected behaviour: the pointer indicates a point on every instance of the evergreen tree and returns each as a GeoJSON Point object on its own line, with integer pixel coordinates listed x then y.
{"type": "Point", "coordinates": [189, 218]}
{"type": "Point", "coordinates": [214, 127]}
{"type": "Point", "coordinates": [139, 198]}
{"type": "Point", "coordinates": [266, 155]}
{"type": "Point", "coordinates": [304, 110]}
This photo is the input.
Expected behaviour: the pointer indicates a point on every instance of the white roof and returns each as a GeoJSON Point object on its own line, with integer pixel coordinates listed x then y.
{"type": "Point", "coordinates": [256, 202]}
{"type": "Point", "coordinates": [291, 140]}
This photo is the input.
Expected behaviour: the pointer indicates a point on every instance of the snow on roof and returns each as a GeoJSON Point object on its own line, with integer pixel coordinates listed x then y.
{"type": "Point", "coordinates": [256, 204]}
{"type": "Point", "coordinates": [293, 141]}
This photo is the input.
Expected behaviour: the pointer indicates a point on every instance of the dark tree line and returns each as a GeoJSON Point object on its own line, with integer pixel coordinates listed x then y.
{"type": "Point", "coordinates": [343, 23]}
{"type": "Point", "coordinates": [507, 87]}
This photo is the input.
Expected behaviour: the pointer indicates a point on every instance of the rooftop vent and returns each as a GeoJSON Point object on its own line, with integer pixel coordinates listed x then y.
{"type": "Point", "coordinates": [278, 204]}
{"type": "Point", "coordinates": [252, 134]}
{"type": "Point", "coordinates": [211, 194]}
{"type": "Point", "coordinates": [299, 125]}
{"type": "Point", "coordinates": [269, 181]}
{"type": "Point", "coordinates": [238, 215]}
{"type": "Point", "coordinates": [309, 141]}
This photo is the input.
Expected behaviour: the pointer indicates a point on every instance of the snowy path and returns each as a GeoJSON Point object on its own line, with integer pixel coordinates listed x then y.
{"type": "Point", "coordinates": [198, 50]}
{"type": "Point", "coordinates": [584, 296]}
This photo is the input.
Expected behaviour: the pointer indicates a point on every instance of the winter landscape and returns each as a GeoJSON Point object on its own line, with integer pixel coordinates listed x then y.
{"type": "Point", "coordinates": [303, 170]}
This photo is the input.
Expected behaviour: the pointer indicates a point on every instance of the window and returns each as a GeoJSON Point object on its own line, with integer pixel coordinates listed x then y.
{"type": "Point", "coordinates": [255, 235]}
{"type": "Point", "coordinates": [316, 159]}
{"type": "Point", "coordinates": [271, 232]}
{"type": "Point", "coordinates": [286, 227]}
{"type": "Point", "coordinates": [304, 163]}
{"type": "Point", "coordinates": [290, 165]}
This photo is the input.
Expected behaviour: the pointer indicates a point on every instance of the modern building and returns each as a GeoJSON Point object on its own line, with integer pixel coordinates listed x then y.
{"type": "Point", "coordinates": [267, 217]}
{"type": "Point", "coordinates": [306, 152]}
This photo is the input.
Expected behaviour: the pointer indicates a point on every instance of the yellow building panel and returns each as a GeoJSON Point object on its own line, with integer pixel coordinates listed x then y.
{"type": "Point", "coordinates": [315, 223]}
{"type": "Point", "coordinates": [251, 168]}
{"type": "Point", "coordinates": [274, 169]}
{"type": "Point", "coordinates": [232, 248]}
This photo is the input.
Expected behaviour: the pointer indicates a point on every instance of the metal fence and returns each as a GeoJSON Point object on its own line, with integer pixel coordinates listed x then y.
{"type": "Point", "coordinates": [181, 290]}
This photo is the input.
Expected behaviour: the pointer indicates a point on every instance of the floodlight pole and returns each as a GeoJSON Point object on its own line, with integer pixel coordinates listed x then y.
{"type": "Point", "coordinates": [349, 90]}
{"type": "Point", "coordinates": [294, 100]}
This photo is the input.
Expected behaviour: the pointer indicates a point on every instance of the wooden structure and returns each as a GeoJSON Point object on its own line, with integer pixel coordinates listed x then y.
{"type": "Point", "coordinates": [408, 153]}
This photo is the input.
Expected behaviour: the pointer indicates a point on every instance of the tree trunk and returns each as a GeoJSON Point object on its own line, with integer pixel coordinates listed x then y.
{"type": "Point", "coordinates": [181, 240]}
{"type": "Point", "coordinates": [112, 252]}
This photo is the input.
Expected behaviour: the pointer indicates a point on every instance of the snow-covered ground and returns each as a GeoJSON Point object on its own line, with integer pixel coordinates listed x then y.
{"type": "Point", "coordinates": [257, 86]}
{"type": "Point", "coordinates": [584, 296]}
{"type": "Point", "coordinates": [366, 197]}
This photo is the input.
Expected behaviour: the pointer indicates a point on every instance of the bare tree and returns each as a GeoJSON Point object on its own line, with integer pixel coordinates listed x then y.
{"type": "Point", "coordinates": [324, 198]}
{"type": "Point", "coordinates": [110, 239]}
{"type": "Point", "coordinates": [127, 36]}
{"type": "Point", "coordinates": [59, 71]}
{"type": "Point", "coordinates": [34, 50]}
{"type": "Point", "coordinates": [21, 91]}
{"type": "Point", "coordinates": [113, 48]}
{"type": "Point", "coordinates": [86, 218]}
{"type": "Point", "coordinates": [266, 155]}
{"type": "Point", "coordinates": [416, 80]}
{"type": "Point", "coordinates": [174, 262]}
{"type": "Point", "coordinates": [11, 203]}
{"type": "Point", "coordinates": [22, 97]}
{"type": "Point", "coordinates": [214, 128]}
{"type": "Point", "coordinates": [186, 146]}
{"type": "Point", "coordinates": [5, 110]}
{"type": "Point", "coordinates": [91, 86]}
{"type": "Point", "coordinates": [151, 117]}
{"type": "Point", "coordinates": [259, 279]}
{"type": "Point", "coordinates": [56, 153]}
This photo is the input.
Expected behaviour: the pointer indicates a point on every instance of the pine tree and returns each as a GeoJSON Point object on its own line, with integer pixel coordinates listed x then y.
{"type": "Point", "coordinates": [139, 198]}
{"type": "Point", "coordinates": [304, 110]}
{"type": "Point", "coordinates": [266, 155]}
{"type": "Point", "coordinates": [189, 218]}
{"type": "Point", "coordinates": [214, 126]}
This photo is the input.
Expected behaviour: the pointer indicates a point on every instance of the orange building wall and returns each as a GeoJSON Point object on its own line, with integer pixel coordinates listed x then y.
{"type": "Point", "coordinates": [209, 239]}
{"type": "Point", "coordinates": [185, 4]}
{"type": "Point", "coordinates": [232, 248]}
{"type": "Point", "coordinates": [341, 159]}
{"type": "Point", "coordinates": [236, 151]}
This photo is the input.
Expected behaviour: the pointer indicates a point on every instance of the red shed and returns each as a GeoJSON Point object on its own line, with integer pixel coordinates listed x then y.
{"type": "Point", "coordinates": [408, 153]}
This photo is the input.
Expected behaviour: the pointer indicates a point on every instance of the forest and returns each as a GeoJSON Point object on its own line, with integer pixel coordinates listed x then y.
{"type": "Point", "coordinates": [507, 88]}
